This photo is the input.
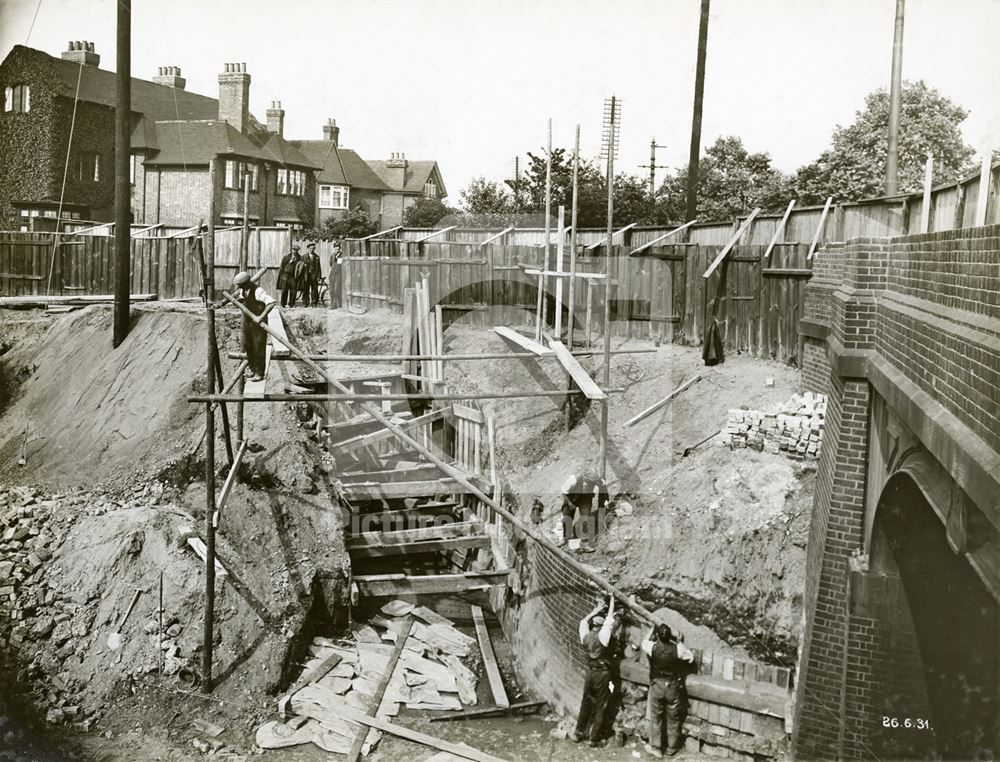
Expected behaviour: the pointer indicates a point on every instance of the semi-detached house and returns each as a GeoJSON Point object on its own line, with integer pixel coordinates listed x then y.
{"type": "Point", "coordinates": [175, 134]}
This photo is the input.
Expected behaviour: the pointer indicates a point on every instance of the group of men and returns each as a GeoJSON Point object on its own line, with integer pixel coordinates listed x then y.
{"type": "Point", "coordinates": [300, 276]}
{"type": "Point", "coordinates": [669, 663]}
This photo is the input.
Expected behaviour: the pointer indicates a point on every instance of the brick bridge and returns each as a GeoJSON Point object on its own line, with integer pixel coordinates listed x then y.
{"type": "Point", "coordinates": [902, 639]}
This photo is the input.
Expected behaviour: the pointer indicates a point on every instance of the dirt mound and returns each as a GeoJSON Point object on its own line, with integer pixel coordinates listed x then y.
{"type": "Point", "coordinates": [93, 414]}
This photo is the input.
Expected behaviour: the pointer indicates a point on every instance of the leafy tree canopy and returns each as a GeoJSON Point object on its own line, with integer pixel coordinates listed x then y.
{"type": "Point", "coordinates": [426, 213]}
{"type": "Point", "coordinates": [355, 224]}
{"type": "Point", "coordinates": [853, 167]}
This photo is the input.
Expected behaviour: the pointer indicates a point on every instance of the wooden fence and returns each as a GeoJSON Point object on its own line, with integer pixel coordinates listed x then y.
{"type": "Point", "coordinates": [31, 264]}
{"type": "Point", "coordinates": [660, 293]}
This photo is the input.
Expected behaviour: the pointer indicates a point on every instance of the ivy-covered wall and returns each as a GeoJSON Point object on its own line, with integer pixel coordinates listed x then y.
{"type": "Point", "coordinates": [26, 140]}
{"type": "Point", "coordinates": [33, 145]}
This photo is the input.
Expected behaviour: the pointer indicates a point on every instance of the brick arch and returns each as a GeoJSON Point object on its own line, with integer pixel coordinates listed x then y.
{"type": "Point", "coordinates": [923, 616]}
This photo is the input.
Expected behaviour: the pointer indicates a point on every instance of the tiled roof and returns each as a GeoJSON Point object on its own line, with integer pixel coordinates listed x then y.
{"type": "Point", "coordinates": [418, 173]}
{"type": "Point", "coordinates": [274, 148]}
{"type": "Point", "coordinates": [359, 173]}
{"type": "Point", "coordinates": [323, 153]}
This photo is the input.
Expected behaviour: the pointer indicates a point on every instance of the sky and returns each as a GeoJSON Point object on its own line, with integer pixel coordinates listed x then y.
{"type": "Point", "coordinates": [472, 83]}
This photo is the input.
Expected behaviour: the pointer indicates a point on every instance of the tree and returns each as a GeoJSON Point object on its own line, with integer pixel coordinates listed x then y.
{"type": "Point", "coordinates": [355, 224]}
{"type": "Point", "coordinates": [426, 213]}
{"type": "Point", "coordinates": [731, 181]}
{"type": "Point", "coordinates": [853, 167]}
{"type": "Point", "coordinates": [482, 196]}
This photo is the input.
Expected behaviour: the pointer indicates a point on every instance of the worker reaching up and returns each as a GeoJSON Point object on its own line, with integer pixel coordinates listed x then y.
{"type": "Point", "coordinates": [596, 637]}
{"type": "Point", "coordinates": [586, 493]}
{"type": "Point", "coordinates": [259, 302]}
{"type": "Point", "coordinates": [669, 663]}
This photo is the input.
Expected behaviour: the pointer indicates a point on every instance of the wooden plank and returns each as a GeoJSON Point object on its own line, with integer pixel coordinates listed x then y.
{"type": "Point", "coordinates": [489, 659]}
{"type": "Point", "coordinates": [468, 413]}
{"type": "Point", "coordinates": [779, 232]}
{"type": "Point", "coordinates": [663, 237]}
{"type": "Point", "coordinates": [522, 341]}
{"type": "Point", "coordinates": [435, 234]}
{"type": "Point", "coordinates": [819, 228]}
{"type": "Point", "coordinates": [366, 440]}
{"type": "Point", "coordinates": [587, 385]}
{"type": "Point", "coordinates": [376, 701]}
{"type": "Point", "coordinates": [460, 750]}
{"type": "Point", "coordinates": [492, 711]}
{"type": "Point", "coordinates": [732, 242]}
{"type": "Point", "coordinates": [653, 408]}
{"type": "Point", "coordinates": [419, 546]}
{"type": "Point", "coordinates": [398, 490]}
{"type": "Point", "coordinates": [382, 585]}
{"type": "Point", "coordinates": [433, 532]}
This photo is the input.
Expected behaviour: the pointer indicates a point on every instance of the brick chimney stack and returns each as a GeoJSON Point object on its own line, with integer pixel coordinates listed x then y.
{"type": "Point", "coordinates": [397, 170]}
{"type": "Point", "coordinates": [170, 76]}
{"type": "Point", "coordinates": [331, 131]}
{"type": "Point", "coordinates": [81, 52]}
{"type": "Point", "coordinates": [276, 119]}
{"type": "Point", "coordinates": [234, 96]}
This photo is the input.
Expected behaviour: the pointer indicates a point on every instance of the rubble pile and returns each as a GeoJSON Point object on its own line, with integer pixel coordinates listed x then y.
{"type": "Point", "coordinates": [48, 624]}
{"type": "Point", "coordinates": [429, 675]}
{"type": "Point", "coordinates": [795, 428]}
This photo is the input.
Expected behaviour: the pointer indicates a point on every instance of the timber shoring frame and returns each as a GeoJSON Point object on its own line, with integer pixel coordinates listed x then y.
{"type": "Point", "coordinates": [374, 412]}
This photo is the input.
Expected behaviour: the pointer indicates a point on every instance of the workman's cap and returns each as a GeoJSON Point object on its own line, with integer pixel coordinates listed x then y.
{"type": "Point", "coordinates": [295, 247]}
{"type": "Point", "coordinates": [311, 246]}
{"type": "Point", "coordinates": [242, 280]}
{"type": "Point", "coordinates": [597, 621]}
{"type": "Point", "coordinates": [663, 633]}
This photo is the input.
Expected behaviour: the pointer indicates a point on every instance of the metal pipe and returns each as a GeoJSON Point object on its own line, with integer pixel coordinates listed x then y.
{"type": "Point", "coordinates": [895, 98]}
{"type": "Point", "coordinates": [481, 356]}
{"type": "Point", "coordinates": [348, 397]}
{"type": "Point", "coordinates": [463, 480]}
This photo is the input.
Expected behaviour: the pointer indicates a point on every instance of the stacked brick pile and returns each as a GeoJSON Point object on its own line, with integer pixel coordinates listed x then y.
{"type": "Point", "coordinates": [795, 428]}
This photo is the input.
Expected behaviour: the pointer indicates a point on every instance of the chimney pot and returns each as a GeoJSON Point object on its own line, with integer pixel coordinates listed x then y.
{"type": "Point", "coordinates": [234, 96]}
{"type": "Point", "coordinates": [81, 52]}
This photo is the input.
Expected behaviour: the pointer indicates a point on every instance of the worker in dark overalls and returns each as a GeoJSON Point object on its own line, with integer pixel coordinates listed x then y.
{"type": "Point", "coordinates": [259, 302]}
{"type": "Point", "coordinates": [586, 493]}
{"type": "Point", "coordinates": [669, 663]}
{"type": "Point", "coordinates": [595, 636]}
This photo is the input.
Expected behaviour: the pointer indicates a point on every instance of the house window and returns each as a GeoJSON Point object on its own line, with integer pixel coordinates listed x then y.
{"type": "Point", "coordinates": [235, 172]}
{"type": "Point", "coordinates": [295, 227]}
{"type": "Point", "coordinates": [87, 167]}
{"type": "Point", "coordinates": [333, 196]}
{"type": "Point", "coordinates": [430, 190]}
{"type": "Point", "coordinates": [291, 182]}
{"type": "Point", "coordinates": [17, 98]}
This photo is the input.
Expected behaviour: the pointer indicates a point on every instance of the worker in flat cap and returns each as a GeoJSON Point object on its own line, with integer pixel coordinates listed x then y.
{"type": "Point", "coordinates": [596, 637]}
{"type": "Point", "coordinates": [314, 272]}
{"type": "Point", "coordinates": [286, 277]}
{"type": "Point", "coordinates": [258, 302]}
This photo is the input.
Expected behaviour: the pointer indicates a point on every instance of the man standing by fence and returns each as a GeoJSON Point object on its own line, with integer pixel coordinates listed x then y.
{"type": "Point", "coordinates": [286, 277]}
{"type": "Point", "coordinates": [314, 273]}
{"type": "Point", "coordinates": [335, 280]}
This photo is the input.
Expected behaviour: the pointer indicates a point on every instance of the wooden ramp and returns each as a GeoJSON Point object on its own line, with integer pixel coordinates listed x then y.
{"type": "Point", "coordinates": [355, 492]}
{"type": "Point", "coordinates": [522, 341]}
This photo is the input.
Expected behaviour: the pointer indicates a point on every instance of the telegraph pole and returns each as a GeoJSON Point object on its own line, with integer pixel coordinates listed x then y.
{"type": "Point", "coordinates": [123, 192]}
{"type": "Point", "coordinates": [895, 96]}
{"type": "Point", "coordinates": [653, 145]}
{"type": "Point", "coordinates": [699, 97]}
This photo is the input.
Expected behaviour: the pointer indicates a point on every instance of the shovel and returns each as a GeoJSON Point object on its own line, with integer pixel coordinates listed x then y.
{"type": "Point", "coordinates": [115, 638]}
{"type": "Point", "coordinates": [687, 450]}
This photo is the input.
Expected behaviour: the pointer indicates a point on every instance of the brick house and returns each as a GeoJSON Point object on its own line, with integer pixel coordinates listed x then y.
{"type": "Point", "coordinates": [384, 189]}
{"type": "Point", "coordinates": [175, 134]}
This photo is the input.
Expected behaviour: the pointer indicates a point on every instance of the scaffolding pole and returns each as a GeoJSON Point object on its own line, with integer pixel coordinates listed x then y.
{"type": "Point", "coordinates": [209, 629]}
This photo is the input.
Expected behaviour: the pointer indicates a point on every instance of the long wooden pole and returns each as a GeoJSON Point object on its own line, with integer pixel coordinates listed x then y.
{"type": "Point", "coordinates": [245, 238]}
{"type": "Point", "coordinates": [123, 190]}
{"type": "Point", "coordinates": [572, 241]}
{"type": "Point", "coordinates": [209, 623]}
{"type": "Point", "coordinates": [540, 307]}
{"type": "Point", "coordinates": [462, 479]}
{"type": "Point", "coordinates": [612, 142]}
{"type": "Point", "coordinates": [560, 234]}
{"type": "Point", "coordinates": [699, 97]}
{"type": "Point", "coordinates": [925, 209]}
